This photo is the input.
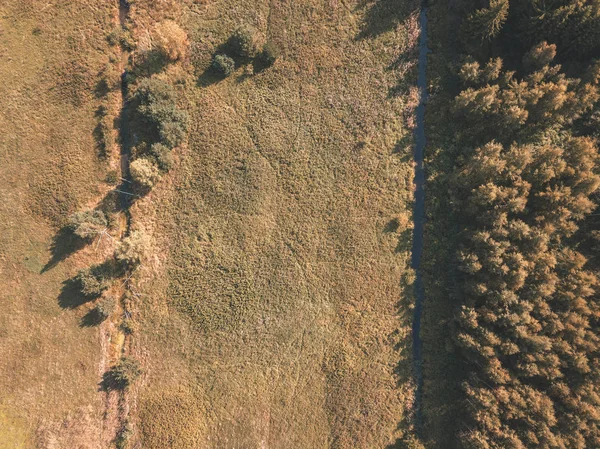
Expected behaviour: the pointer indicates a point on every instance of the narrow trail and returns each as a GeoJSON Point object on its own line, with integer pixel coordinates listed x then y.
{"type": "Point", "coordinates": [114, 341]}
{"type": "Point", "coordinates": [125, 193]}
{"type": "Point", "coordinates": [419, 217]}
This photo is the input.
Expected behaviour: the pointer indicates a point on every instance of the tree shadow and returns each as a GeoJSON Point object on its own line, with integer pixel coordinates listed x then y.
{"type": "Point", "coordinates": [383, 16]}
{"type": "Point", "coordinates": [92, 318]}
{"type": "Point", "coordinates": [150, 63]}
{"type": "Point", "coordinates": [70, 296]}
{"type": "Point", "coordinates": [404, 148]}
{"type": "Point", "coordinates": [209, 76]}
{"type": "Point", "coordinates": [391, 226]}
{"type": "Point", "coordinates": [64, 244]}
{"type": "Point", "coordinates": [404, 241]}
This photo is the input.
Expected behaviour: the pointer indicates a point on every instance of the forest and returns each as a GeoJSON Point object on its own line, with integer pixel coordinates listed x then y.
{"type": "Point", "coordinates": [523, 189]}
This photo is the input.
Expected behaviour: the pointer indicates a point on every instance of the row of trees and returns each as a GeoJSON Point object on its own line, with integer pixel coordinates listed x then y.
{"type": "Point", "coordinates": [572, 25]}
{"type": "Point", "coordinates": [526, 172]}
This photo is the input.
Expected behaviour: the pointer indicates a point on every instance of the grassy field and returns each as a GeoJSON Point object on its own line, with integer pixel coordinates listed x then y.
{"type": "Point", "coordinates": [276, 311]}
{"type": "Point", "coordinates": [50, 57]}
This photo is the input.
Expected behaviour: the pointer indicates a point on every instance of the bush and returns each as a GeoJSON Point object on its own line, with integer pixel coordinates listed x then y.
{"type": "Point", "coordinates": [243, 42]}
{"type": "Point", "coordinates": [173, 132]}
{"type": "Point", "coordinates": [93, 281]}
{"type": "Point", "coordinates": [162, 155]}
{"type": "Point", "coordinates": [133, 248]}
{"type": "Point", "coordinates": [123, 374]}
{"type": "Point", "coordinates": [87, 224]}
{"type": "Point", "coordinates": [267, 57]}
{"type": "Point", "coordinates": [144, 173]}
{"type": "Point", "coordinates": [128, 326]}
{"type": "Point", "coordinates": [157, 109]}
{"type": "Point", "coordinates": [105, 308]}
{"type": "Point", "coordinates": [171, 40]}
{"type": "Point", "coordinates": [223, 65]}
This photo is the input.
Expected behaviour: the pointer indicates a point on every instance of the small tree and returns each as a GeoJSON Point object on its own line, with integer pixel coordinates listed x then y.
{"type": "Point", "coordinates": [162, 155]}
{"type": "Point", "coordinates": [93, 281]}
{"type": "Point", "coordinates": [173, 132]}
{"type": "Point", "coordinates": [243, 42]}
{"type": "Point", "coordinates": [171, 40]}
{"type": "Point", "coordinates": [133, 248]}
{"type": "Point", "coordinates": [267, 57]}
{"type": "Point", "coordinates": [144, 173]}
{"type": "Point", "coordinates": [105, 308]}
{"type": "Point", "coordinates": [123, 374]}
{"type": "Point", "coordinates": [157, 110]}
{"type": "Point", "coordinates": [87, 224]}
{"type": "Point", "coordinates": [223, 65]}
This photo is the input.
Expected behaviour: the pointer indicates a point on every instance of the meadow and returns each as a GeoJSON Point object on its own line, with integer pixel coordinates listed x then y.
{"type": "Point", "coordinates": [276, 311]}
{"type": "Point", "coordinates": [51, 54]}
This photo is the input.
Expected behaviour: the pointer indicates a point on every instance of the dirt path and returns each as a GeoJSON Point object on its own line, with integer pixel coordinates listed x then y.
{"type": "Point", "coordinates": [419, 216]}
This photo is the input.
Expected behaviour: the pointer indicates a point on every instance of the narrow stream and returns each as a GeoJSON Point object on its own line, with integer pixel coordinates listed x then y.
{"type": "Point", "coordinates": [419, 218]}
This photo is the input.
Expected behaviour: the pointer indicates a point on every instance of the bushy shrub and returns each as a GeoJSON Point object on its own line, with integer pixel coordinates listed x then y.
{"type": "Point", "coordinates": [267, 57]}
{"type": "Point", "coordinates": [162, 155]}
{"type": "Point", "coordinates": [157, 109]}
{"type": "Point", "coordinates": [144, 173]}
{"type": "Point", "coordinates": [128, 326]}
{"type": "Point", "coordinates": [87, 224]}
{"type": "Point", "coordinates": [93, 280]}
{"type": "Point", "coordinates": [243, 42]}
{"type": "Point", "coordinates": [133, 248]}
{"type": "Point", "coordinates": [223, 65]}
{"type": "Point", "coordinates": [174, 131]}
{"type": "Point", "coordinates": [123, 374]}
{"type": "Point", "coordinates": [105, 308]}
{"type": "Point", "coordinates": [171, 40]}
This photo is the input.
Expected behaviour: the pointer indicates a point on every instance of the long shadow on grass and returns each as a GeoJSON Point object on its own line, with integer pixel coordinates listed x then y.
{"type": "Point", "coordinates": [64, 244]}
{"type": "Point", "coordinates": [384, 15]}
{"type": "Point", "coordinates": [91, 319]}
{"type": "Point", "coordinates": [70, 296]}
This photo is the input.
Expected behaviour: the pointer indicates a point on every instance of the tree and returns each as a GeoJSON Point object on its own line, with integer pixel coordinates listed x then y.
{"type": "Point", "coordinates": [162, 155]}
{"type": "Point", "coordinates": [486, 23]}
{"type": "Point", "coordinates": [243, 42]}
{"type": "Point", "coordinates": [223, 65]}
{"type": "Point", "coordinates": [171, 40]}
{"type": "Point", "coordinates": [88, 224]}
{"type": "Point", "coordinates": [144, 173]}
{"type": "Point", "coordinates": [94, 280]}
{"type": "Point", "coordinates": [267, 57]}
{"type": "Point", "coordinates": [122, 374]}
{"type": "Point", "coordinates": [134, 248]}
{"type": "Point", "coordinates": [105, 308]}
{"type": "Point", "coordinates": [156, 107]}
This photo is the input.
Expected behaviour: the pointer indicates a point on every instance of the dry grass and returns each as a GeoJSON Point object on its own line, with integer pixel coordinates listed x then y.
{"type": "Point", "coordinates": [50, 55]}
{"type": "Point", "coordinates": [279, 304]}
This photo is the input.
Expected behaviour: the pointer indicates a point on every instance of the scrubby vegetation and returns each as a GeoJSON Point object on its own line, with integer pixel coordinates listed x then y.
{"type": "Point", "coordinates": [94, 280]}
{"type": "Point", "coordinates": [144, 173]}
{"type": "Point", "coordinates": [171, 40]}
{"type": "Point", "coordinates": [105, 308]}
{"type": "Point", "coordinates": [160, 119]}
{"type": "Point", "coordinates": [223, 65]}
{"type": "Point", "coordinates": [523, 176]}
{"type": "Point", "coordinates": [88, 224]}
{"type": "Point", "coordinates": [243, 42]}
{"type": "Point", "coordinates": [123, 374]}
{"type": "Point", "coordinates": [133, 248]}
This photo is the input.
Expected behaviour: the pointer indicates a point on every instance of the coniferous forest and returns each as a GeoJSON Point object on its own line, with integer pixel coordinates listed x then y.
{"type": "Point", "coordinates": [522, 190]}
